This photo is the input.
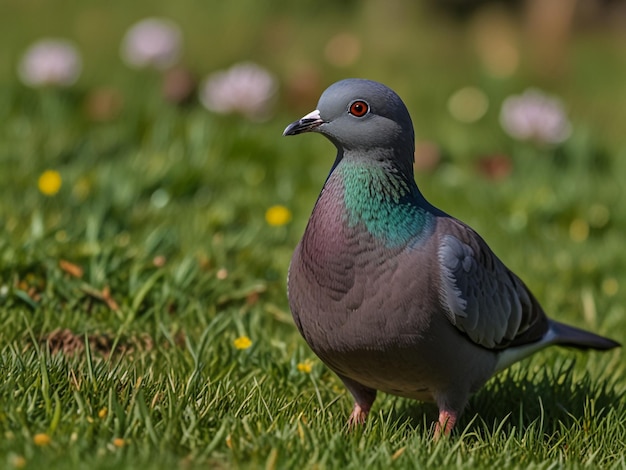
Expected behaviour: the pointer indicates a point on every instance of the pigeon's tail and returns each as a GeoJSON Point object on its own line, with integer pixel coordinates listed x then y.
{"type": "Point", "coordinates": [558, 334]}
{"type": "Point", "coordinates": [565, 335]}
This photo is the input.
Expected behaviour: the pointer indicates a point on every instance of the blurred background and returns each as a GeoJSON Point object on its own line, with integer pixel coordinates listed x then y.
{"type": "Point", "coordinates": [425, 50]}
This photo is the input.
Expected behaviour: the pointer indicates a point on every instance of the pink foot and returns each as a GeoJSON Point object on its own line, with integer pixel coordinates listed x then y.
{"type": "Point", "coordinates": [363, 400]}
{"type": "Point", "coordinates": [446, 422]}
{"type": "Point", "coordinates": [358, 416]}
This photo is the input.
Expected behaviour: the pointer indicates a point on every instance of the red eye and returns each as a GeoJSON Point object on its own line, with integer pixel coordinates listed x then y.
{"type": "Point", "coordinates": [359, 108]}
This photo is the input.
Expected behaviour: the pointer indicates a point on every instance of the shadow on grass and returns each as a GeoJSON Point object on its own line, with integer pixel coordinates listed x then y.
{"type": "Point", "coordinates": [545, 398]}
{"type": "Point", "coordinates": [548, 397]}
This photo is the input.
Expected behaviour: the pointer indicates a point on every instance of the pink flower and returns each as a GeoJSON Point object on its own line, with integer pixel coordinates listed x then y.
{"type": "Point", "coordinates": [50, 62]}
{"type": "Point", "coordinates": [245, 88]}
{"type": "Point", "coordinates": [152, 42]}
{"type": "Point", "coordinates": [536, 116]}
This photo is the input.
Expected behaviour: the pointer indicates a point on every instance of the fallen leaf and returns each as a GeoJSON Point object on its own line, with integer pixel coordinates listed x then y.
{"type": "Point", "coordinates": [106, 296]}
{"type": "Point", "coordinates": [71, 268]}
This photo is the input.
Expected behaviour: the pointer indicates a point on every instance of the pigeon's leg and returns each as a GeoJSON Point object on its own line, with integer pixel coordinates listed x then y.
{"type": "Point", "coordinates": [451, 405]}
{"type": "Point", "coordinates": [363, 399]}
{"type": "Point", "coordinates": [358, 416]}
{"type": "Point", "coordinates": [447, 419]}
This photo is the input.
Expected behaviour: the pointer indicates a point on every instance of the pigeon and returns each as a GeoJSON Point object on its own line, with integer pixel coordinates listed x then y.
{"type": "Point", "coordinates": [393, 294]}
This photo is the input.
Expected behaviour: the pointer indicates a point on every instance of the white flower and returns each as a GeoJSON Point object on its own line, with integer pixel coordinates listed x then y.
{"type": "Point", "coordinates": [152, 42]}
{"type": "Point", "coordinates": [50, 62]}
{"type": "Point", "coordinates": [244, 88]}
{"type": "Point", "coordinates": [534, 115]}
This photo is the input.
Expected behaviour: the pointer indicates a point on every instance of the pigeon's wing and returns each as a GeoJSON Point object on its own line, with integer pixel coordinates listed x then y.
{"type": "Point", "coordinates": [480, 295]}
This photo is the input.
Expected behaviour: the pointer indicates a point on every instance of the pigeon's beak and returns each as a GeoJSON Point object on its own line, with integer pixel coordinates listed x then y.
{"type": "Point", "coordinates": [306, 124]}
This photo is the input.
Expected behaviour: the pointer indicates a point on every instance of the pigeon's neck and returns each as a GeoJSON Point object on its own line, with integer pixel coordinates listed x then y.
{"type": "Point", "coordinates": [384, 200]}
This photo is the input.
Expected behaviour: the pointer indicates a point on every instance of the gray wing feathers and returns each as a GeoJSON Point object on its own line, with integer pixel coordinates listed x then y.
{"type": "Point", "coordinates": [480, 295]}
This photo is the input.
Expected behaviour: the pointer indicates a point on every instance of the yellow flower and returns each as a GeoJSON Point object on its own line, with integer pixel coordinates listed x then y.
{"type": "Point", "coordinates": [277, 215]}
{"type": "Point", "coordinates": [103, 413]}
{"type": "Point", "coordinates": [305, 366]}
{"type": "Point", "coordinates": [243, 342]}
{"type": "Point", "coordinates": [41, 439]}
{"type": "Point", "coordinates": [119, 442]}
{"type": "Point", "coordinates": [49, 182]}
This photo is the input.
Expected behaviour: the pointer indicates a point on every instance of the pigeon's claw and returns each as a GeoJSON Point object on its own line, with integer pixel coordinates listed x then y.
{"type": "Point", "coordinates": [446, 422]}
{"type": "Point", "coordinates": [358, 416]}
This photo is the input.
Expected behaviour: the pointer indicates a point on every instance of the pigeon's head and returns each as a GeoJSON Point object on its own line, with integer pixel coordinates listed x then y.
{"type": "Point", "coordinates": [360, 116]}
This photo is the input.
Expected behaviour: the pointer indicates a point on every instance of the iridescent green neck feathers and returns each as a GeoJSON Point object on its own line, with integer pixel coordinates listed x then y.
{"type": "Point", "coordinates": [384, 202]}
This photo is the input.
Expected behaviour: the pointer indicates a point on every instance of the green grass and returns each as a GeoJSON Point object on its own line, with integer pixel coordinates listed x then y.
{"type": "Point", "coordinates": [162, 209]}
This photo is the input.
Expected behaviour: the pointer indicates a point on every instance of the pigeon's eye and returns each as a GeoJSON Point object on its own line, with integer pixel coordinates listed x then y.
{"type": "Point", "coordinates": [359, 108]}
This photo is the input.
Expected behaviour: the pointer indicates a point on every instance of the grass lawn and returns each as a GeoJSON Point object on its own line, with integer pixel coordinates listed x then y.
{"type": "Point", "coordinates": [143, 308]}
